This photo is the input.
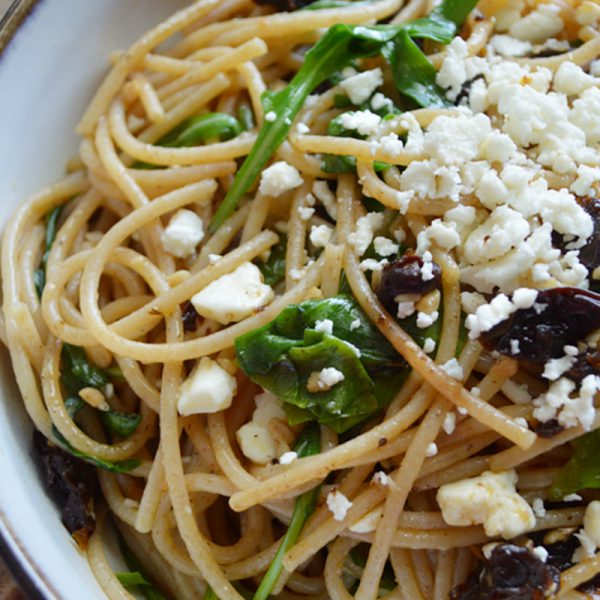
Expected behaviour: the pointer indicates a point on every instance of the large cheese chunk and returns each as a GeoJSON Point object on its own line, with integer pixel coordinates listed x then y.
{"type": "Point", "coordinates": [183, 233]}
{"type": "Point", "coordinates": [234, 296]}
{"type": "Point", "coordinates": [254, 438]}
{"type": "Point", "coordinates": [491, 500]}
{"type": "Point", "coordinates": [209, 389]}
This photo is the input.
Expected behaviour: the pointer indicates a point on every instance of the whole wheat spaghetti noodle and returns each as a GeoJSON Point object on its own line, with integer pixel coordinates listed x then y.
{"type": "Point", "coordinates": [318, 302]}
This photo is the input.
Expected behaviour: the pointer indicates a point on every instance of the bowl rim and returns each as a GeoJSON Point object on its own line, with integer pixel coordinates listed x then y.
{"type": "Point", "coordinates": [18, 561]}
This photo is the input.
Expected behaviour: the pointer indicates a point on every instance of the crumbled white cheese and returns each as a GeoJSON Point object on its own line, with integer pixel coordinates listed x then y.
{"type": "Point", "coordinates": [363, 121]}
{"type": "Point", "coordinates": [538, 508]}
{"type": "Point", "coordinates": [541, 553]}
{"type": "Point", "coordinates": [514, 347]}
{"type": "Point", "coordinates": [326, 326]}
{"type": "Point", "coordinates": [183, 233]}
{"type": "Point", "coordinates": [379, 101]}
{"type": "Point", "coordinates": [372, 264]}
{"type": "Point", "coordinates": [280, 177]}
{"type": "Point", "coordinates": [324, 380]}
{"type": "Point", "coordinates": [384, 246]}
{"type": "Point", "coordinates": [425, 320]}
{"type": "Point", "coordinates": [572, 498]}
{"type": "Point", "coordinates": [355, 325]}
{"type": "Point", "coordinates": [271, 116]}
{"type": "Point", "coordinates": [254, 438]}
{"type": "Point", "coordinates": [429, 345]}
{"type": "Point", "coordinates": [500, 308]}
{"type": "Point", "coordinates": [233, 296]}
{"type": "Point", "coordinates": [510, 46]}
{"type": "Point", "coordinates": [320, 235]}
{"type": "Point", "coordinates": [288, 457]}
{"type": "Point", "coordinates": [571, 79]}
{"type": "Point", "coordinates": [405, 309]}
{"type": "Point", "coordinates": [302, 128]}
{"type": "Point", "coordinates": [432, 450]}
{"type": "Point", "coordinates": [555, 367]}
{"type": "Point", "coordinates": [338, 504]}
{"type": "Point", "coordinates": [208, 389]}
{"type": "Point", "coordinates": [453, 369]}
{"type": "Point", "coordinates": [586, 178]}
{"type": "Point", "coordinates": [449, 424]}
{"type": "Point", "coordinates": [570, 410]}
{"type": "Point", "coordinates": [360, 87]}
{"type": "Point", "coordinates": [490, 499]}
{"type": "Point", "coordinates": [381, 478]}
{"type": "Point", "coordinates": [362, 236]}
{"type": "Point", "coordinates": [306, 212]}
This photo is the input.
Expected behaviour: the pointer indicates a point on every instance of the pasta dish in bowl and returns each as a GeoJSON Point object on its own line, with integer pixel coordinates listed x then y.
{"type": "Point", "coordinates": [314, 312]}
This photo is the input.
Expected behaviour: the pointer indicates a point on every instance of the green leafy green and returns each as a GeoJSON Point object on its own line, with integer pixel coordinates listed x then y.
{"type": "Point", "coordinates": [136, 578]}
{"type": "Point", "coordinates": [308, 444]}
{"type": "Point", "coordinates": [39, 275]}
{"type": "Point", "coordinates": [273, 269]}
{"type": "Point", "coordinates": [245, 117]}
{"type": "Point", "coordinates": [197, 129]}
{"type": "Point", "coordinates": [121, 424]}
{"type": "Point", "coordinates": [209, 594]}
{"type": "Point", "coordinates": [121, 466]}
{"type": "Point", "coordinates": [285, 354]}
{"type": "Point", "coordinates": [77, 373]}
{"type": "Point", "coordinates": [340, 45]}
{"type": "Point", "coordinates": [413, 73]}
{"type": "Point", "coordinates": [582, 471]}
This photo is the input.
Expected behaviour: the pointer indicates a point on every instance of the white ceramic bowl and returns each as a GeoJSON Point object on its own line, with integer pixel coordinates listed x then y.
{"type": "Point", "coordinates": [53, 60]}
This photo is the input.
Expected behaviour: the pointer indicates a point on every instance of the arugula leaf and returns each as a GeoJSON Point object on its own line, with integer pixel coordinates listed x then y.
{"type": "Point", "coordinates": [308, 444]}
{"type": "Point", "coordinates": [39, 275]}
{"type": "Point", "coordinates": [282, 356]}
{"type": "Point", "coordinates": [335, 50]}
{"type": "Point", "coordinates": [273, 269]}
{"type": "Point", "coordinates": [197, 129]}
{"type": "Point", "coordinates": [245, 117]}
{"type": "Point", "coordinates": [413, 74]}
{"type": "Point", "coordinates": [121, 466]}
{"type": "Point", "coordinates": [582, 471]}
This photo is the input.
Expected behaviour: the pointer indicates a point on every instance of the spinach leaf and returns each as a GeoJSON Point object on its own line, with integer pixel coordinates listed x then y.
{"type": "Point", "coordinates": [121, 424]}
{"type": "Point", "coordinates": [273, 269]}
{"type": "Point", "coordinates": [39, 275]}
{"type": "Point", "coordinates": [136, 578]}
{"type": "Point", "coordinates": [582, 471]}
{"type": "Point", "coordinates": [335, 50]}
{"type": "Point", "coordinates": [284, 355]}
{"type": "Point", "coordinates": [308, 444]}
{"type": "Point", "coordinates": [77, 373]}
{"type": "Point", "coordinates": [121, 466]}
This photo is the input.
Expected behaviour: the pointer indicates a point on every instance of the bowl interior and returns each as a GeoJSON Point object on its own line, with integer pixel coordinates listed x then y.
{"type": "Point", "coordinates": [48, 74]}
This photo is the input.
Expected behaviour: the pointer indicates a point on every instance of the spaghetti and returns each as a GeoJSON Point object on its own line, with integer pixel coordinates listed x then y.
{"type": "Point", "coordinates": [318, 300]}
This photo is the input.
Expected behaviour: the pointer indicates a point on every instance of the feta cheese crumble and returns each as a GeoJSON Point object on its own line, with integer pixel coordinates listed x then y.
{"type": "Point", "coordinates": [234, 296]}
{"type": "Point", "coordinates": [183, 233]}
{"type": "Point", "coordinates": [491, 500]}
{"type": "Point", "coordinates": [324, 380]}
{"type": "Point", "coordinates": [338, 504]}
{"type": "Point", "coordinates": [360, 87]}
{"type": "Point", "coordinates": [288, 458]}
{"type": "Point", "coordinates": [280, 177]}
{"type": "Point", "coordinates": [208, 389]}
{"type": "Point", "coordinates": [453, 369]}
